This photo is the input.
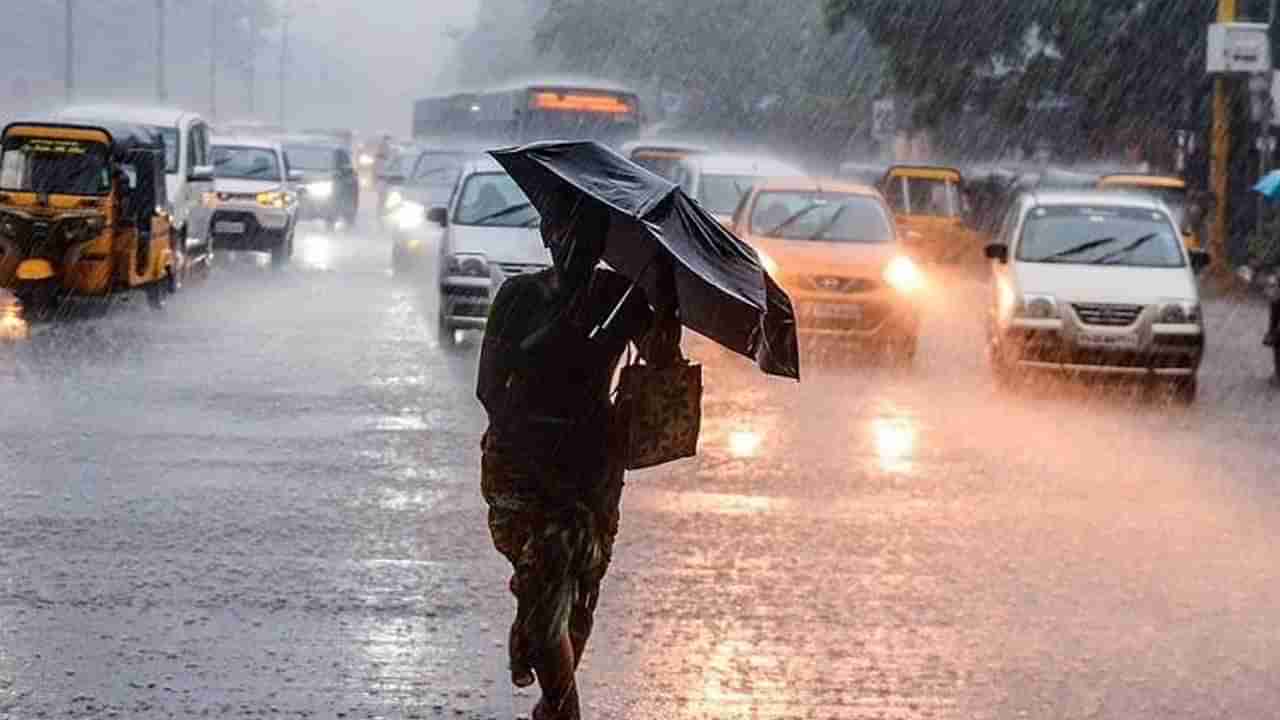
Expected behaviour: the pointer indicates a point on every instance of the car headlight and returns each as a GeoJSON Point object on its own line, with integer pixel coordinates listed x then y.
{"type": "Point", "coordinates": [275, 199]}
{"type": "Point", "coordinates": [394, 198]}
{"type": "Point", "coordinates": [903, 275]}
{"type": "Point", "coordinates": [1038, 307]}
{"type": "Point", "coordinates": [1179, 312]}
{"type": "Point", "coordinates": [366, 160]}
{"type": "Point", "coordinates": [209, 200]}
{"type": "Point", "coordinates": [321, 190]}
{"type": "Point", "coordinates": [410, 215]}
{"type": "Point", "coordinates": [468, 265]}
{"type": "Point", "coordinates": [769, 264]}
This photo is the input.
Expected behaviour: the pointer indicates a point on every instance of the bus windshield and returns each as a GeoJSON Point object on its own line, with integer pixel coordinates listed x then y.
{"type": "Point", "coordinates": [56, 167]}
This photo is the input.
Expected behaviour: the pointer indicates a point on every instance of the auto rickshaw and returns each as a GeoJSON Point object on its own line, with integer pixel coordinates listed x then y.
{"type": "Point", "coordinates": [1173, 191]}
{"type": "Point", "coordinates": [83, 213]}
{"type": "Point", "coordinates": [930, 209]}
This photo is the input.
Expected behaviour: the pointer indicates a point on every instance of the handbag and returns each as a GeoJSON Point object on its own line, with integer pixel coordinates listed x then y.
{"type": "Point", "coordinates": [661, 408]}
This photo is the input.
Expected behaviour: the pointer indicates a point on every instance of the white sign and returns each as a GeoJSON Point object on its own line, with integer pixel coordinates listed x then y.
{"type": "Point", "coordinates": [1238, 48]}
{"type": "Point", "coordinates": [884, 122]}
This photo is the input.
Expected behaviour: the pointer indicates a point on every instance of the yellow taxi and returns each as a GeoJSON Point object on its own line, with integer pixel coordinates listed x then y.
{"type": "Point", "coordinates": [929, 208]}
{"type": "Point", "coordinates": [1170, 189]}
{"type": "Point", "coordinates": [835, 248]}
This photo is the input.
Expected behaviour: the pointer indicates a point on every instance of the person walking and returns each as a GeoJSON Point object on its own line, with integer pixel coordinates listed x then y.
{"type": "Point", "coordinates": [553, 455]}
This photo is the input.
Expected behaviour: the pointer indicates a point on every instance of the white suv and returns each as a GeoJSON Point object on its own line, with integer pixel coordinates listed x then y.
{"type": "Point", "coordinates": [490, 234]}
{"type": "Point", "coordinates": [1095, 282]}
{"type": "Point", "coordinates": [255, 205]}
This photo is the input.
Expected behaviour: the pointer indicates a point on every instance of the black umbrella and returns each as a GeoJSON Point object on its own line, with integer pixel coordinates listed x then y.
{"type": "Point", "coordinates": [722, 290]}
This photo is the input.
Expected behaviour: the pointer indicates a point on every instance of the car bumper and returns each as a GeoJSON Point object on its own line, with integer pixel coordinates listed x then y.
{"type": "Point", "coordinates": [1160, 350]}
{"type": "Point", "coordinates": [464, 302]}
{"type": "Point", "coordinates": [258, 229]}
{"type": "Point", "coordinates": [866, 317]}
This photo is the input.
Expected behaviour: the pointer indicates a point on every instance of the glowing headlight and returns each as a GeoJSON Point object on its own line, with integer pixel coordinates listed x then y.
{"type": "Point", "coordinates": [410, 215]}
{"type": "Point", "coordinates": [903, 275]}
{"type": "Point", "coordinates": [1038, 307]}
{"type": "Point", "coordinates": [365, 160]}
{"type": "Point", "coordinates": [275, 199]}
{"type": "Point", "coordinates": [394, 198]}
{"type": "Point", "coordinates": [769, 264]}
{"type": "Point", "coordinates": [468, 266]}
{"type": "Point", "coordinates": [209, 200]}
{"type": "Point", "coordinates": [1182, 312]}
{"type": "Point", "coordinates": [322, 190]}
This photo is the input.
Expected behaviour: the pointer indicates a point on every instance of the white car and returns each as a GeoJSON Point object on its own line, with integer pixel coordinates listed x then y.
{"type": "Point", "coordinates": [255, 201]}
{"type": "Point", "coordinates": [1095, 282]}
{"type": "Point", "coordinates": [720, 181]}
{"type": "Point", "coordinates": [490, 234]}
{"type": "Point", "coordinates": [187, 164]}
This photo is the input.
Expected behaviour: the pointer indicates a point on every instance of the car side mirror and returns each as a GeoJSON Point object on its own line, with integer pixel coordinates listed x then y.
{"type": "Point", "coordinates": [296, 176]}
{"type": "Point", "coordinates": [439, 216]}
{"type": "Point", "coordinates": [201, 173]}
{"type": "Point", "coordinates": [1200, 260]}
{"type": "Point", "coordinates": [997, 252]}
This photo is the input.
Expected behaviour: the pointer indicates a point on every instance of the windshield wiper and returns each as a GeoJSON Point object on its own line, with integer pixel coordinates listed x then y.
{"type": "Point", "coordinates": [1076, 250]}
{"type": "Point", "coordinates": [800, 214]}
{"type": "Point", "coordinates": [830, 223]}
{"type": "Point", "coordinates": [510, 210]}
{"type": "Point", "coordinates": [1127, 248]}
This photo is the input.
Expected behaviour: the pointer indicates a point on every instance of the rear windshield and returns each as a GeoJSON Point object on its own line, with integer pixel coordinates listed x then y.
{"type": "Point", "coordinates": [820, 217]}
{"type": "Point", "coordinates": [58, 167]}
{"type": "Point", "coordinates": [234, 162]}
{"type": "Point", "coordinates": [1081, 235]}
{"type": "Point", "coordinates": [923, 196]}
{"type": "Point", "coordinates": [303, 157]}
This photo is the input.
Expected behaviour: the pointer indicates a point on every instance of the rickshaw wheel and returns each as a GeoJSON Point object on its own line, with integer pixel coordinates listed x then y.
{"type": "Point", "coordinates": [155, 294]}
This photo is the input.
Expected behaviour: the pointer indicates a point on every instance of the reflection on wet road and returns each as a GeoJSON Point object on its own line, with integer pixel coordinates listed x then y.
{"type": "Point", "coordinates": [264, 501]}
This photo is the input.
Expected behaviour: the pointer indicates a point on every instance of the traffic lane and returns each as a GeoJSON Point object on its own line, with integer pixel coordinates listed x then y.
{"type": "Point", "coordinates": [257, 500]}
{"type": "Point", "coordinates": [919, 544]}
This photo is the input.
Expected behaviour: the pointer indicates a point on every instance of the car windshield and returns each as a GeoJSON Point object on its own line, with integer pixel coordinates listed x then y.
{"type": "Point", "coordinates": [303, 157]}
{"type": "Point", "coordinates": [817, 216]}
{"type": "Point", "coordinates": [234, 162]}
{"type": "Point", "coordinates": [923, 196]}
{"type": "Point", "coordinates": [494, 199]}
{"type": "Point", "coordinates": [1085, 235]}
{"type": "Point", "coordinates": [721, 194]}
{"type": "Point", "coordinates": [63, 167]}
{"type": "Point", "coordinates": [437, 168]}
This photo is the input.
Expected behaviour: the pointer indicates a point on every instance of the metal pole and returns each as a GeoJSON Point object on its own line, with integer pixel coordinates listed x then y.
{"type": "Point", "coordinates": [1220, 147]}
{"type": "Point", "coordinates": [213, 59]}
{"type": "Point", "coordinates": [253, 56]}
{"type": "Point", "coordinates": [284, 59]}
{"type": "Point", "coordinates": [162, 92]}
{"type": "Point", "coordinates": [70, 59]}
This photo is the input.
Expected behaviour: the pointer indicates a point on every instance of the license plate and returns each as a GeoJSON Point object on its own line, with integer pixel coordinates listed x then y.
{"type": "Point", "coordinates": [840, 311]}
{"type": "Point", "coordinates": [1109, 341]}
{"type": "Point", "coordinates": [229, 228]}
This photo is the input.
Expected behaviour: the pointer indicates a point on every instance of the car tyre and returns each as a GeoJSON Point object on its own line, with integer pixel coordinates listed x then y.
{"type": "Point", "coordinates": [446, 334]}
{"type": "Point", "coordinates": [282, 253]}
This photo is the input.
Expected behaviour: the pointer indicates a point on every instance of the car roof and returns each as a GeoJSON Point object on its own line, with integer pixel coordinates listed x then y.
{"type": "Point", "coordinates": [732, 163]}
{"type": "Point", "coordinates": [245, 141]}
{"type": "Point", "coordinates": [132, 114]}
{"type": "Point", "coordinates": [481, 163]}
{"type": "Point", "coordinates": [806, 184]}
{"type": "Point", "coordinates": [655, 144]}
{"type": "Point", "coordinates": [1094, 198]}
{"type": "Point", "coordinates": [322, 141]}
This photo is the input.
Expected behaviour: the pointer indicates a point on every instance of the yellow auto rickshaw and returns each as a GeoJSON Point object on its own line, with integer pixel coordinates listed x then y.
{"type": "Point", "coordinates": [929, 206]}
{"type": "Point", "coordinates": [1173, 191]}
{"type": "Point", "coordinates": [83, 213]}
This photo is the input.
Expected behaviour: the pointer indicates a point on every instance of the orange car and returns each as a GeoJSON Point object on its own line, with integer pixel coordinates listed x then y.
{"type": "Point", "coordinates": [835, 248]}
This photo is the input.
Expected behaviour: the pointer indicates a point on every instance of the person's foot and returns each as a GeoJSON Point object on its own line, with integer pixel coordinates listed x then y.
{"type": "Point", "coordinates": [1269, 340]}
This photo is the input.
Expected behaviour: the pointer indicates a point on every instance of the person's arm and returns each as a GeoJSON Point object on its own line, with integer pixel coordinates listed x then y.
{"type": "Point", "coordinates": [661, 344]}
{"type": "Point", "coordinates": [499, 355]}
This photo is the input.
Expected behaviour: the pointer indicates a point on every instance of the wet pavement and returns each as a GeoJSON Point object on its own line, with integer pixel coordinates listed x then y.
{"type": "Point", "coordinates": [264, 502]}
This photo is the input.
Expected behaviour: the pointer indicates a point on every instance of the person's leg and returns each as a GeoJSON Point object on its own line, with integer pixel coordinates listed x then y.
{"type": "Point", "coordinates": [555, 668]}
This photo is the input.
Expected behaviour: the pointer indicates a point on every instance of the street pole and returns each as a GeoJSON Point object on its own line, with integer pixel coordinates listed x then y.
{"type": "Point", "coordinates": [284, 58]}
{"type": "Point", "coordinates": [213, 59]}
{"type": "Point", "coordinates": [253, 56]}
{"type": "Point", "coordinates": [162, 92]}
{"type": "Point", "coordinates": [1220, 147]}
{"type": "Point", "coordinates": [70, 60]}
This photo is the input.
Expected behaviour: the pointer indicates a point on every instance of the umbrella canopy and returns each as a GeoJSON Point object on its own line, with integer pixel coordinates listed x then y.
{"type": "Point", "coordinates": [722, 290]}
{"type": "Point", "coordinates": [1269, 185]}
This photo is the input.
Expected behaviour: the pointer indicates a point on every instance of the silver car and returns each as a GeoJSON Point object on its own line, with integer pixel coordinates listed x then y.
{"type": "Point", "coordinates": [1095, 282]}
{"type": "Point", "coordinates": [255, 199]}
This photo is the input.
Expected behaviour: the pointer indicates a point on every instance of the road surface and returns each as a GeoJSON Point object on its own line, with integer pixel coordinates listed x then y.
{"type": "Point", "coordinates": [264, 503]}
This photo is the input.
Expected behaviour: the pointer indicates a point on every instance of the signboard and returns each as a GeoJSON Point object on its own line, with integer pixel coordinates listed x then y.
{"type": "Point", "coordinates": [1238, 48]}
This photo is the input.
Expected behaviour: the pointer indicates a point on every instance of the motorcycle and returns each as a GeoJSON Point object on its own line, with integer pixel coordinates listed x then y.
{"type": "Point", "coordinates": [1269, 282]}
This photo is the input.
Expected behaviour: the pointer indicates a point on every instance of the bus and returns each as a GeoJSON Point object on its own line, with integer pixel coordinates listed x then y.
{"type": "Point", "coordinates": [537, 110]}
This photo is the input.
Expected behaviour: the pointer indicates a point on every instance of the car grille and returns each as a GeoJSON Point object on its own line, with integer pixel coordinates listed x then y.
{"type": "Point", "coordinates": [1047, 346]}
{"type": "Point", "coordinates": [237, 197]}
{"type": "Point", "coordinates": [520, 268]}
{"type": "Point", "coordinates": [837, 284]}
{"type": "Point", "coordinates": [1107, 314]}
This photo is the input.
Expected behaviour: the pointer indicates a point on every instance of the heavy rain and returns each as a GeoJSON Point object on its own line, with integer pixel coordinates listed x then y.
{"type": "Point", "coordinates": [279, 335]}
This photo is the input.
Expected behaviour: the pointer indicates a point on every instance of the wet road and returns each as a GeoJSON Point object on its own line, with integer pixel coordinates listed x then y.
{"type": "Point", "coordinates": [265, 503]}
